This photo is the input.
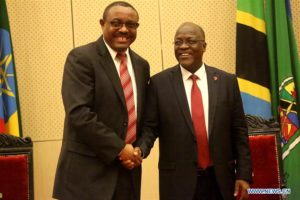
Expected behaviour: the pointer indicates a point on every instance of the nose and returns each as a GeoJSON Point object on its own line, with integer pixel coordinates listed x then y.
{"type": "Point", "coordinates": [123, 28]}
{"type": "Point", "coordinates": [184, 45]}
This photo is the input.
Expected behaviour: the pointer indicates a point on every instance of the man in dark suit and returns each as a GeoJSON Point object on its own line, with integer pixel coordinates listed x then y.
{"type": "Point", "coordinates": [103, 113]}
{"type": "Point", "coordinates": [201, 156]}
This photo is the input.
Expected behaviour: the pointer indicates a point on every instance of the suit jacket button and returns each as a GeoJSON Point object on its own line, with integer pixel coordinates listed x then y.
{"type": "Point", "coordinates": [125, 124]}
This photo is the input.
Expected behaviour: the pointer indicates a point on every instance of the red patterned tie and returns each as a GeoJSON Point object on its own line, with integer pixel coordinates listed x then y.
{"type": "Point", "coordinates": [129, 98]}
{"type": "Point", "coordinates": [199, 125]}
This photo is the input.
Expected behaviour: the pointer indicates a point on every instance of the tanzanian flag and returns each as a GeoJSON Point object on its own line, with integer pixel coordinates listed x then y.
{"type": "Point", "coordinates": [9, 106]}
{"type": "Point", "coordinates": [252, 67]}
{"type": "Point", "coordinates": [285, 79]}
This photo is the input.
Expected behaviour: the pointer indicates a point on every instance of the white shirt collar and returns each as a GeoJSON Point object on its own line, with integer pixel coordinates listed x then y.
{"type": "Point", "coordinates": [200, 72]}
{"type": "Point", "coordinates": [113, 53]}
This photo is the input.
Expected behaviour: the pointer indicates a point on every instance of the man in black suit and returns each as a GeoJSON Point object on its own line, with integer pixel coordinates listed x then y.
{"type": "Point", "coordinates": [95, 143]}
{"type": "Point", "coordinates": [188, 170]}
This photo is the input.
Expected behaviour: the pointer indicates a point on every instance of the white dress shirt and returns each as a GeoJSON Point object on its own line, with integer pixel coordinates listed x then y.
{"type": "Point", "coordinates": [202, 84]}
{"type": "Point", "coordinates": [117, 62]}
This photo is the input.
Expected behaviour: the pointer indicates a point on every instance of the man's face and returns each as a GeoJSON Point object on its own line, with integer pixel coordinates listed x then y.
{"type": "Point", "coordinates": [119, 27]}
{"type": "Point", "coordinates": [189, 46]}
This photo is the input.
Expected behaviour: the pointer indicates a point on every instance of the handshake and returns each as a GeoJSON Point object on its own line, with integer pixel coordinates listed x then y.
{"type": "Point", "coordinates": [130, 157]}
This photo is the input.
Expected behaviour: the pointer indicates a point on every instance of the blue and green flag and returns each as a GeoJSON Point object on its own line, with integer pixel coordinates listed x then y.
{"type": "Point", "coordinates": [285, 81]}
{"type": "Point", "coordinates": [252, 67]}
{"type": "Point", "coordinates": [9, 106]}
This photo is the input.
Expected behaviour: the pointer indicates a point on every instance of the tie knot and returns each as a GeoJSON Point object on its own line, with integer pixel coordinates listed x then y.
{"type": "Point", "coordinates": [121, 56]}
{"type": "Point", "coordinates": [194, 77]}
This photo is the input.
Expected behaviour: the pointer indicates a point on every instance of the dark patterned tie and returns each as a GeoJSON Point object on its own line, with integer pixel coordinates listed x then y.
{"type": "Point", "coordinates": [198, 118]}
{"type": "Point", "coordinates": [129, 98]}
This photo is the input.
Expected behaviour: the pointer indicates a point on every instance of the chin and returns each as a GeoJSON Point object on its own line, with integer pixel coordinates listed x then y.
{"type": "Point", "coordinates": [121, 48]}
{"type": "Point", "coordinates": [185, 64]}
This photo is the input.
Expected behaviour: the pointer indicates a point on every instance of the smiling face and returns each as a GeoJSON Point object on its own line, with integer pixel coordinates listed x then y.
{"type": "Point", "coordinates": [119, 37]}
{"type": "Point", "coordinates": [189, 46]}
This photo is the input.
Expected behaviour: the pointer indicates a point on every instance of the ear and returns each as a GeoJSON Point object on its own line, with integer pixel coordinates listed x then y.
{"type": "Point", "coordinates": [204, 46]}
{"type": "Point", "coordinates": [102, 22]}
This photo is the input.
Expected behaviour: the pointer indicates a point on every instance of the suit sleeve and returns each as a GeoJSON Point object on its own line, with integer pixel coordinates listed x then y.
{"type": "Point", "coordinates": [240, 131]}
{"type": "Point", "coordinates": [78, 97]}
{"type": "Point", "coordinates": [151, 121]}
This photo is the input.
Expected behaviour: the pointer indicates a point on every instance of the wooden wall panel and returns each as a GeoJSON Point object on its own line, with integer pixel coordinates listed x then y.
{"type": "Point", "coordinates": [42, 37]}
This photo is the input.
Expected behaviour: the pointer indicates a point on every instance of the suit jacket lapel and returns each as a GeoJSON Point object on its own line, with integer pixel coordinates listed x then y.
{"type": "Point", "coordinates": [178, 87]}
{"type": "Point", "coordinates": [138, 73]}
{"type": "Point", "coordinates": [108, 65]}
{"type": "Point", "coordinates": [212, 82]}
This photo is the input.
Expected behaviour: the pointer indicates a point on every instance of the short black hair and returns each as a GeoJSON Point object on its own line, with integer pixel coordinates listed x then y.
{"type": "Point", "coordinates": [117, 3]}
{"type": "Point", "coordinates": [193, 24]}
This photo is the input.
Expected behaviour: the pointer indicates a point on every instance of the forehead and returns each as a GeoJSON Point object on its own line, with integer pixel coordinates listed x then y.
{"type": "Point", "coordinates": [188, 31]}
{"type": "Point", "coordinates": [121, 12]}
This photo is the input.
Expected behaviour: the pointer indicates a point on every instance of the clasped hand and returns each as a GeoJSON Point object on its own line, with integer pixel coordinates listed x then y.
{"type": "Point", "coordinates": [130, 157]}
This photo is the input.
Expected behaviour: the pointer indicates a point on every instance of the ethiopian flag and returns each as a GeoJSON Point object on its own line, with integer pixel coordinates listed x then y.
{"type": "Point", "coordinates": [252, 67]}
{"type": "Point", "coordinates": [285, 79]}
{"type": "Point", "coordinates": [9, 106]}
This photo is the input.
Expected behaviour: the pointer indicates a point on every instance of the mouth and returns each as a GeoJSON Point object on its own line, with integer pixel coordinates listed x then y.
{"type": "Point", "coordinates": [122, 39]}
{"type": "Point", "coordinates": [184, 55]}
